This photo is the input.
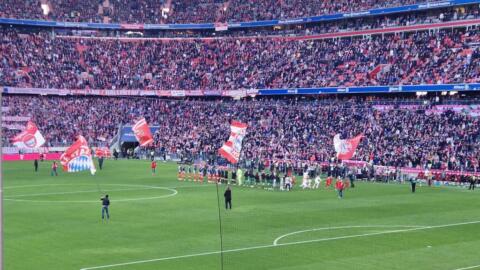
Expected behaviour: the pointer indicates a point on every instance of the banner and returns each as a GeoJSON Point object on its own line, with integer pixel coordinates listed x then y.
{"type": "Point", "coordinates": [142, 132]}
{"type": "Point", "coordinates": [221, 26]}
{"type": "Point", "coordinates": [15, 118]}
{"type": "Point", "coordinates": [78, 157]}
{"type": "Point", "coordinates": [178, 93]}
{"type": "Point", "coordinates": [252, 92]}
{"type": "Point", "coordinates": [103, 152]}
{"type": "Point", "coordinates": [13, 126]}
{"type": "Point", "coordinates": [29, 138]}
{"type": "Point", "coordinates": [231, 149]}
{"type": "Point", "coordinates": [346, 148]}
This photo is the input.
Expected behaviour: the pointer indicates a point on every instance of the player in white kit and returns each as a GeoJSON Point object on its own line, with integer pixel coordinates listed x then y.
{"type": "Point", "coordinates": [318, 181]}
{"type": "Point", "coordinates": [305, 183]}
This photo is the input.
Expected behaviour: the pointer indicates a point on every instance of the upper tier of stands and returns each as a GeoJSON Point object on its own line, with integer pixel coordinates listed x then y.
{"type": "Point", "coordinates": [430, 57]}
{"type": "Point", "coordinates": [183, 11]}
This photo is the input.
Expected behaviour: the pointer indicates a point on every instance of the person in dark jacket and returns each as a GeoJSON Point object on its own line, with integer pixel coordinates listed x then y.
{"type": "Point", "coordinates": [413, 183]}
{"type": "Point", "coordinates": [228, 198]}
{"type": "Point", "coordinates": [100, 162]}
{"type": "Point", "coordinates": [105, 204]}
{"type": "Point", "coordinates": [35, 164]}
{"type": "Point", "coordinates": [473, 183]}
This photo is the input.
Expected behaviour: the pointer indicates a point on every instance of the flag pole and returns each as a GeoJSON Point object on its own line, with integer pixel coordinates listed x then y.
{"type": "Point", "coordinates": [219, 220]}
{"type": "Point", "coordinates": [220, 227]}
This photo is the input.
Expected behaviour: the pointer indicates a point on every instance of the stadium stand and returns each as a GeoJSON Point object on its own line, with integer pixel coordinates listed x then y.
{"type": "Point", "coordinates": [430, 57]}
{"type": "Point", "coordinates": [427, 18]}
{"type": "Point", "coordinates": [182, 11]}
{"type": "Point", "coordinates": [327, 54]}
{"type": "Point", "coordinates": [274, 9]}
{"type": "Point", "coordinates": [399, 132]}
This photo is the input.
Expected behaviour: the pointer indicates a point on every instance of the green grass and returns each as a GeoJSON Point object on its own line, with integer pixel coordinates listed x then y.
{"type": "Point", "coordinates": [54, 223]}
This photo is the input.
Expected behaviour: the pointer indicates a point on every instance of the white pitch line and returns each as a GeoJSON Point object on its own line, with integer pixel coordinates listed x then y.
{"type": "Point", "coordinates": [470, 267]}
{"type": "Point", "coordinates": [75, 192]}
{"type": "Point", "coordinates": [284, 244]}
{"type": "Point", "coordinates": [275, 242]}
{"type": "Point", "coordinates": [135, 187]}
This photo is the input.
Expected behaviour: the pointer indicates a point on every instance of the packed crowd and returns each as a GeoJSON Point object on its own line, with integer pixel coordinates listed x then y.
{"type": "Point", "coordinates": [43, 61]}
{"type": "Point", "coordinates": [394, 20]}
{"type": "Point", "coordinates": [275, 9]}
{"type": "Point", "coordinates": [196, 11]}
{"type": "Point", "coordinates": [145, 11]}
{"type": "Point", "coordinates": [279, 129]}
{"type": "Point", "coordinates": [183, 11]}
{"type": "Point", "coordinates": [356, 24]}
{"type": "Point", "coordinates": [423, 17]}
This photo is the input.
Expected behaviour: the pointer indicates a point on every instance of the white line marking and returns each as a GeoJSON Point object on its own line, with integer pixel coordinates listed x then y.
{"type": "Point", "coordinates": [279, 245]}
{"type": "Point", "coordinates": [46, 185]}
{"type": "Point", "coordinates": [275, 242]}
{"type": "Point", "coordinates": [137, 187]}
{"type": "Point", "coordinates": [470, 267]}
{"type": "Point", "coordinates": [127, 185]}
{"type": "Point", "coordinates": [74, 192]}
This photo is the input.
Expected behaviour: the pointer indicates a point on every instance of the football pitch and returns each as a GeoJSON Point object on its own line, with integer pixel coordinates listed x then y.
{"type": "Point", "coordinates": [158, 222]}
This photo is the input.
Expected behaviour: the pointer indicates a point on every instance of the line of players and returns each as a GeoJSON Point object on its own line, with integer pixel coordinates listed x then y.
{"type": "Point", "coordinates": [212, 174]}
{"type": "Point", "coordinates": [202, 174]}
{"type": "Point", "coordinates": [311, 179]}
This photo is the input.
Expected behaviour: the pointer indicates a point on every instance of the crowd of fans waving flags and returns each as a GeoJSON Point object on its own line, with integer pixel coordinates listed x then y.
{"type": "Point", "coordinates": [78, 157]}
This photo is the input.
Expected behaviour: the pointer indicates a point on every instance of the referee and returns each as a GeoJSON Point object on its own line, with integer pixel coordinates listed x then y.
{"type": "Point", "coordinates": [105, 204]}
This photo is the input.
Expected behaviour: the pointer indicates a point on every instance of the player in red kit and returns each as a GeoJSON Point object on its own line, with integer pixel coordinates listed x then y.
{"type": "Point", "coordinates": [154, 167]}
{"type": "Point", "coordinates": [328, 183]}
{"type": "Point", "coordinates": [339, 186]}
{"type": "Point", "coordinates": [54, 169]}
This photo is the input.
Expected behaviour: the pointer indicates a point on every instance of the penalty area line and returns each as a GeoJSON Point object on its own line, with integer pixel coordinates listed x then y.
{"type": "Point", "coordinates": [285, 244]}
{"type": "Point", "coordinates": [275, 242]}
{"type": "Point", "coordinates": [469, 267]}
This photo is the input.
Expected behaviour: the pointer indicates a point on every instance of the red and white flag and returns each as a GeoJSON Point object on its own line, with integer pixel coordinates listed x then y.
{"type": "Point", "coordinates": [103, 152]}
{"type": "Point", "coordinates": [142, 132]}
{"type": "Point", "coordinates": [231, 149]}
{"type": "Point", "coordinates": [346, 148]}
{"type": "Point", "coordinates": [78, 157]}
{"type": "Point", "coordinates": [29, 138]}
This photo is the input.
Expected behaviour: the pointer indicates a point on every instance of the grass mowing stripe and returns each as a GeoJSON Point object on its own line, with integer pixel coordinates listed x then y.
{"type": "Point", "coordinates": [286, 244]}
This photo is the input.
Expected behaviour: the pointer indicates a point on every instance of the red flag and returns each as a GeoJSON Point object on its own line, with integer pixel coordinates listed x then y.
{"type": "Point", "coordinates": [231, 149]}
{"type": "Point", "coordinates": [103, 152]}
{"type": "Point", "coordinates": [78, 157]}
{"type": "Point", "coordinates": [142, 132]}
{"type": "Point", "coordinates": [346, 148]}
{"type": "Point", "coordinates": [29, 138]}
